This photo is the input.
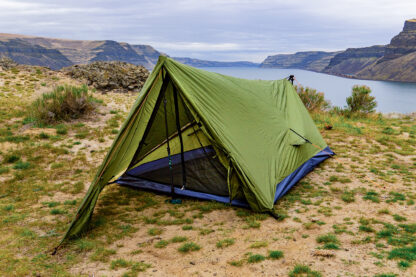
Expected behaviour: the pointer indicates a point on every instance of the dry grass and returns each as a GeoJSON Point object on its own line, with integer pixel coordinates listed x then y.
{"type": "Point", "coordinates": [363, 201]}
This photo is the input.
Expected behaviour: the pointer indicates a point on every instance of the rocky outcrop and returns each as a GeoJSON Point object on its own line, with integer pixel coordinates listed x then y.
{"type": "Point", "coordinates": [353, 60]}
{"type": "Point", "coordinates": [310, 60]}
{"type": "Point", "coordinates": [23, 52]}
{"type": "Point", "coordinates": [115, 75]}
{"type": "Point", "coordinates": [205, 63]}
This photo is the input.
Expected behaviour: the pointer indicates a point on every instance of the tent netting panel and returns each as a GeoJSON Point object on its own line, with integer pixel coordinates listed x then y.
{"type": "Point", "coordinates": [204, 172]}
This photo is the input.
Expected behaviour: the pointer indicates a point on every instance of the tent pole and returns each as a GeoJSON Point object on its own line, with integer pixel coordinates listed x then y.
{"type": "Point", "coordinates": [172, 191]}
{"type": "Point", "coordinates": [175, 97]}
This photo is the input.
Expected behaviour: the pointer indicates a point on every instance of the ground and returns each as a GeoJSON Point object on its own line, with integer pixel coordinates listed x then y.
{"type": "Point", "coordinates": [352, 216]}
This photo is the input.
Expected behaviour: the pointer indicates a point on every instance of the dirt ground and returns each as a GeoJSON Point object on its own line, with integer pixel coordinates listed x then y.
{"type": "Point", "coordinates": [349, 217]}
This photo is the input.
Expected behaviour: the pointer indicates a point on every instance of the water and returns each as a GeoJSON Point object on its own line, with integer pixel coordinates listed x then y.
{"type": "Point", "coordinates": [390, 96]}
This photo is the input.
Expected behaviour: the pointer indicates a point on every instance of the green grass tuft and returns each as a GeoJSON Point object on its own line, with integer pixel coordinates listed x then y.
{"type": "Point", "coordinates": [225, 243]}
{"type": "Point", "coordinates": [178, 239]}
{"type": "Point", "coordinates": [303, 270]}
{"type": "Point", "coordinates": [189, 246]}
{"type": "Point", "coordinates": [21, 165]}
{"type": "Point", "coordinates": [275, 254]}
{"type": "Point", "coordinates": [161, 244]}
{"type": "Point", "coordinates": [255, 258]}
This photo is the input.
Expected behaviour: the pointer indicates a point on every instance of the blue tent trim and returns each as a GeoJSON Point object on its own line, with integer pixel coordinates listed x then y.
{"type": "Point", "coordinates": [176, 159]}
{"type": "Point", "coordinates": [281, 189]}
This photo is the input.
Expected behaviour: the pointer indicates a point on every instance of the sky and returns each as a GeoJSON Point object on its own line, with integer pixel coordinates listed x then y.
{"type": "Point", "coordinates": [226, 30]}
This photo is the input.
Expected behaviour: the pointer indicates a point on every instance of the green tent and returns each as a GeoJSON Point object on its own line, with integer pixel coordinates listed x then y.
{"type": "Point", "coordinates": [243, 142]}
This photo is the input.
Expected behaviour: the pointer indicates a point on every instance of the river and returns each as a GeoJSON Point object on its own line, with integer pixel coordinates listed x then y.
{"type": "Point", "coordinates": [390, 96]}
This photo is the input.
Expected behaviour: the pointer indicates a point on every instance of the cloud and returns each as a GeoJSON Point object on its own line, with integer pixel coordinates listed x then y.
{"type": "Point", "coordinates": [216, 29]}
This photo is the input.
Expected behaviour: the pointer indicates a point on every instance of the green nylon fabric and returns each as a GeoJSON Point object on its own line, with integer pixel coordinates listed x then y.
{"type": "Point", "coordinates": [249, 120]}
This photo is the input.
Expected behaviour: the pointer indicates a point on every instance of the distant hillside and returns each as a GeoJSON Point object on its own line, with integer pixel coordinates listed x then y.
{"type": "Point", "coordinates": [75, 51]}
{"type": "Point", "coordinates": [310, 60]}
{"type": "Point", "coordinates": [25, 53]}
{"type": "Point", "coordinates": [353, 60]}
{"type": "Point", "coordinates": [204, 63]}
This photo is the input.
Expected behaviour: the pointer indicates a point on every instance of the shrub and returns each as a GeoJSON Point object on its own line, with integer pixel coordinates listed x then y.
{"type": "Point", "coordinates": [313, 100]}
{"type": "Point", "coordinates": [62, 104]}
{"type": "Point", "coordinates": [361, 101]}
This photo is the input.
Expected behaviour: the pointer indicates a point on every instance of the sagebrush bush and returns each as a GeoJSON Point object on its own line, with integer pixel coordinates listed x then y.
{"type": "Point", "coordinates": [64, 103]}
{"type": "Point", "coordinates": [361, 101]}
{"type": "Point", "coordinates": [312, 99]}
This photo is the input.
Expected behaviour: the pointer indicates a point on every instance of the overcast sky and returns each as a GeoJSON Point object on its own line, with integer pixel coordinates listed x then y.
{"type": "Point", "coordinates": [217, 29]}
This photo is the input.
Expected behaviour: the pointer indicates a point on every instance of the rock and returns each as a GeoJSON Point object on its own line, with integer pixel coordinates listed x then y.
{"type": "Point", "coordinates": [105, 76]}
{"type": "Point", "coordinates": [6, 63]}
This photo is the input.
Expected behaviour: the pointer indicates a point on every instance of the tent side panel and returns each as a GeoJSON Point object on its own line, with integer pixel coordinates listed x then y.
{"type": "Point", "coordinates": [121, 151]}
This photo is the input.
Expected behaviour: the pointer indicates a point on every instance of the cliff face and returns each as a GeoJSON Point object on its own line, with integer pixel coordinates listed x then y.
{"type": "Point", "coordinates": [204, 63]}
{"type": "Point", "coordinates": [353, 60]}
{"type": "Point", "coordinates": [399, 60]}
{"type": "Point", "coordinates": [79, 51]}
{"type": "Point", "coordinates": [111, 50]}
{"type": "Point", "coordinates": [395, 61]}
{"type": "Point", "coordinates": [24, 53]}
{"type": "Point", "coordinates": [311, 60]}
{"type": "Point", "coordinates": [402, 44]}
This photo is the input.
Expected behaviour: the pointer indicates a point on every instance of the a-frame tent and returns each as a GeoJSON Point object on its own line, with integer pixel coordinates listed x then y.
{"type": "Point", "coordinates": [232, 140]}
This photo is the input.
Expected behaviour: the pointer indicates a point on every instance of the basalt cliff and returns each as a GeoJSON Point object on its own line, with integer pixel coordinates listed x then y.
{"type": "Point", "coordinates": [393, 62]}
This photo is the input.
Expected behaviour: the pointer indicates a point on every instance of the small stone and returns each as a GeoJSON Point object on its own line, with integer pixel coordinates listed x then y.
{"type": "Point", "coordinates": [192, 263]}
